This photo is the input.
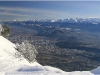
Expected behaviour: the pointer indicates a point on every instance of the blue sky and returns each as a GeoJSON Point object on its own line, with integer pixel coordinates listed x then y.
{"type": "Point", "coordinates": [28, 10]}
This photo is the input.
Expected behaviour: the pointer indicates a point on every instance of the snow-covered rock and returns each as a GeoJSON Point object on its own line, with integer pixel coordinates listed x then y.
{"type": "Point", "coordinates": [11, 65]}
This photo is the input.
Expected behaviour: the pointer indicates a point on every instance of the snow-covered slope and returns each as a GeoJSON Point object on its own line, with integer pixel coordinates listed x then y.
{"type": "Point", "coordinates": [11, 65]}
{"type": "Point", "coordinates": [96, 71]}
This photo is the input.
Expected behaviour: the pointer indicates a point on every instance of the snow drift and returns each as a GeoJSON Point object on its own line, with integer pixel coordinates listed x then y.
{"type": "Point", "coordinates": [11, 65]}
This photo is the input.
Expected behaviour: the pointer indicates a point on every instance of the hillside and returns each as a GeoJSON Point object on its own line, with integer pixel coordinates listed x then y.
{"type": "Point", "coordinates": [12, 65]}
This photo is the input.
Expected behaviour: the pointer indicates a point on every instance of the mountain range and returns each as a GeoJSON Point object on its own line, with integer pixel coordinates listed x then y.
{"type": "Point", "coordinates": [69, 20]}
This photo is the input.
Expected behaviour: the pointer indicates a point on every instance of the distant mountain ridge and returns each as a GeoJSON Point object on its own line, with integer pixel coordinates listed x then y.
{"type": "Point", "coordinates": [69, 20]}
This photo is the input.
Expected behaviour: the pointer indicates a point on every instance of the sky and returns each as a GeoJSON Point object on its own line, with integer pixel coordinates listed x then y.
{"type": "Point", "coordinates": [29, 10]}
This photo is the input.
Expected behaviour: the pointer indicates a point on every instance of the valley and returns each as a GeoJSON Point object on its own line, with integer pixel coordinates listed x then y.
{"type": "Point", "coordinates": [70, 46]}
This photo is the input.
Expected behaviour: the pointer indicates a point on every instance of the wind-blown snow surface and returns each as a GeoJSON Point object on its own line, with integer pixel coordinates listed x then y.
{"type": "Point", "coordinates": [10, 65]}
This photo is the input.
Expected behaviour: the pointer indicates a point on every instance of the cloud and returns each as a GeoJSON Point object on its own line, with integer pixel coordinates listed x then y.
{"type": "Point", "coordinates": [9, 11]}
{"type": "Point", "coordinates": [36, 12]}
{"type": "Point", "coordinates": [12, 14]}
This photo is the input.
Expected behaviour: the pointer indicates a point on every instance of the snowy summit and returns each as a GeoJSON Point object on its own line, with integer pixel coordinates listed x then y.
{"type": "Point", "coordinates": [10, 64]}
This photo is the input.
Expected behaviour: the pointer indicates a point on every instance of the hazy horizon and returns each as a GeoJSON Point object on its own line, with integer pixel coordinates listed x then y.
{"type": "Point", "coordinates": [28, 10]}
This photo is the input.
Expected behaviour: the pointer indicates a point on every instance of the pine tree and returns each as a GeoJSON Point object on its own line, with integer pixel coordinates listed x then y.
{"type": "Point", "coordinates": [0, 29]}
{"type": "Point", "coordinates": [5, 30]}
{"type": "Point", "coordinates": [27, 50]}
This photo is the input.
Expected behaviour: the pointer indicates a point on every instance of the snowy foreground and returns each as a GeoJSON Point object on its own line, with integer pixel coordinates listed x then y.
{"type": "Point", "coordinates": [12, 65]}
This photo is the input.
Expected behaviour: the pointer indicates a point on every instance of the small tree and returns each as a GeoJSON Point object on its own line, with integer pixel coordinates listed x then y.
{"type": "Point", "coordinates": [0, 29]}
{"type": "Point", "coordinates": [5, 30]}
{"type": "Point", "coordinates": [27, 50]}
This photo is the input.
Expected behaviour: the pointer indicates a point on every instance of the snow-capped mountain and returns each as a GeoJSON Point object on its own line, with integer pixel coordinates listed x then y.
{"type": "Point", "coordinates": [70, 20]}
{"type": "Point", "coordinates": [12, 65]}
{"type": "Point", "coordinates": [67, 20]}
{"type": "Point", "coordinates": [79, 20]}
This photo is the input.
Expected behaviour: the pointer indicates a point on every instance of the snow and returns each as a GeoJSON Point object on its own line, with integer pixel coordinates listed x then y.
{"type": "Point", "coordinates": [10, 65]}
{"type": "Point", "coordinates": [96, 71]}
